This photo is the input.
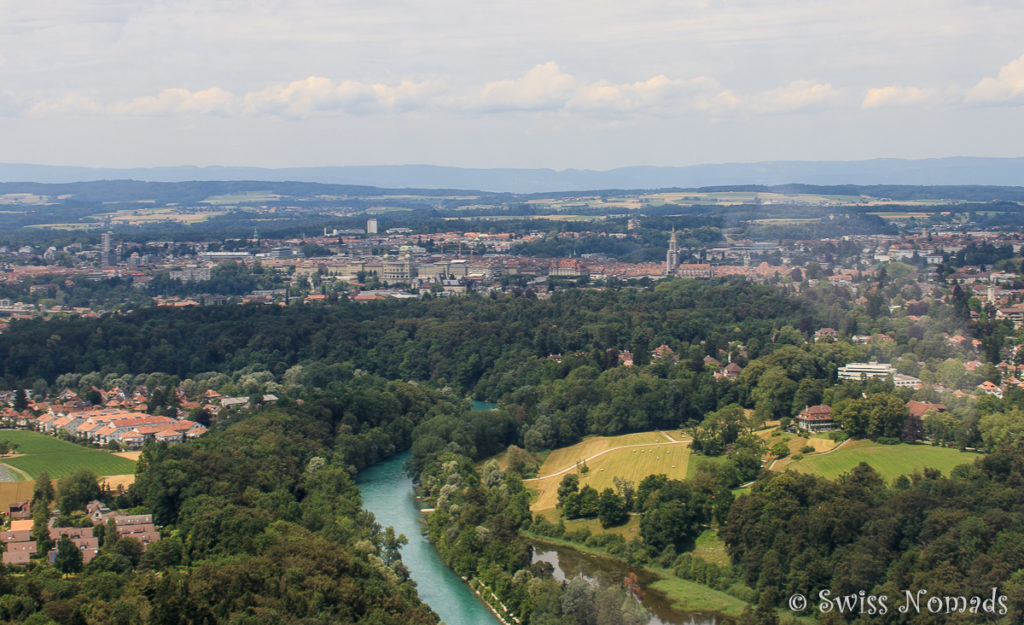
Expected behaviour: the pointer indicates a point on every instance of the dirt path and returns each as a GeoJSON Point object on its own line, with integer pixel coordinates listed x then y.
{"type": "Point", "coordinates": [820, 453]}
{"type": "Point", "coordinates": [601, 453]}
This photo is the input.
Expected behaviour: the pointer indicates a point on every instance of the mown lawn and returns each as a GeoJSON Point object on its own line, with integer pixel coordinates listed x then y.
{"type": "Point", "coordinates": [890, 461]}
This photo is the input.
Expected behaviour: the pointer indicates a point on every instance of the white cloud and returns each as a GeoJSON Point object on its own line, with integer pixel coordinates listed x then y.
{"type": "Point", "coordinates": [543, 88]}
{"type": "Point", "coordinates": [1006, 87]}
{"type": "Point", "coordinates": [659, 95]}
{"type": "Point", "coordinates": [179, 101]}
{"type": "Point", "coordinates": [797, 95]}
{"type": "Point", "coordinates": [71, 103]}
{"type": "Point", "coordinates": [317, 94]}
{"type": "Point", "coordinates": [548, 88]}
{"type": "Point", "coordinates": [898, 95]}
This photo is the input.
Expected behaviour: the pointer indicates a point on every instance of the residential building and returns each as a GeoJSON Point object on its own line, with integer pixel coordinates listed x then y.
{"type": "Point", "coordinates": [816, 419]}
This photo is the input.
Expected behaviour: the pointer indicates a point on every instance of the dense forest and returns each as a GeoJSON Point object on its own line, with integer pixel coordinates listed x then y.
{"type": "Point", "coordinates": [361, 382]}
{"type": "Point", "coordinates": [444, 341]}
{"type": "Point", "coordinates": [263, 525]}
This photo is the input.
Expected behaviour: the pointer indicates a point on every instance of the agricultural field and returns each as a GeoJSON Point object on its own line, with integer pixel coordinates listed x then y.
{"type": "Point", "coordinates": [890, 461]}
{"type": "Point", "coordinates": [39, 452]}
{"type": "Point", "coordinates": [248, 197]}
{"type": "Point", "coordinates": [140, 216]}
{"type": "Point", "coordinates": [631, 456]}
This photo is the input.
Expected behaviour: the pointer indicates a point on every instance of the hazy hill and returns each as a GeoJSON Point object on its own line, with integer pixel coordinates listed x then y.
{"type": "Point", "coordinates": [942, 171]}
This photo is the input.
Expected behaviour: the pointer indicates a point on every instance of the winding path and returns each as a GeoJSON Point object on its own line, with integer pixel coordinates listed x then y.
{"type": "Point", "coordinates": [601, 453]}
{"type": "Point", "coordinates": [820, 453]}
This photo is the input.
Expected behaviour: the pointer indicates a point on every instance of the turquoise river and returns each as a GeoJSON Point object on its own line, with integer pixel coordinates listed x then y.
{"type": "Point", "coordinates": [388, 493]}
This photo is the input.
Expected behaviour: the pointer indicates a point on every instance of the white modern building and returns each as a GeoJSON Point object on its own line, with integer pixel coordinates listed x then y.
{"type": "Point", "coordinates": [858, 371]}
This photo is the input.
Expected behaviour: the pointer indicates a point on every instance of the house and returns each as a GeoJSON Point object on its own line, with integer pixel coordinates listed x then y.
{"type": "Point", "coordinates": [137, 526]}
{"type": "Point", "coordinates": [731, 371]}
{"type": "Point", "coordinates": [81, 536]}
{"type": "Point", "coordinates": [20, 510]}
{"type": "Point", "coordinates": [825, 334]}
{"type": "Point", "coordinates": [918, 409]}
{"type": "Point", "coordinates": [991, 389]}
{"type": "Point", "coordinates": [16, 536]}
{"type": "Point", "coordinates": [234, 402]}
{"type": "Point", "coordinates": [664, 352]}
{"type": "Point", "coordinates": [97, 511]}
{"type": "Point", "coordinates": [816, 419]}
{"type": "Point", "coordinates": [19, 552]}
{"type": "Point", "coordinates": [1013, 313]}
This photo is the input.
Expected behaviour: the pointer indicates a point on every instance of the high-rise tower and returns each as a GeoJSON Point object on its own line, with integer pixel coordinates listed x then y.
{"type": "Point", "coordinates": [107, 257]}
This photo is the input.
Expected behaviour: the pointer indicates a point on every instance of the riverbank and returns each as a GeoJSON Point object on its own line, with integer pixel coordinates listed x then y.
{"type": "Point", "coordinates": [387, 492]}
{"type": "Point", "coordinates": [488, 603]}
{"type": "Point", "coordinates": [683, 595]}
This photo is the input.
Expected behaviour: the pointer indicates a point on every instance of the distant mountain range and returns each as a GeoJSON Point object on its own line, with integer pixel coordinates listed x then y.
{"type": "Point", "coordinates": [936, 171]}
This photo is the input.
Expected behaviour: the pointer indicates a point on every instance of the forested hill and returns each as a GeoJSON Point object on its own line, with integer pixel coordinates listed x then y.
{"type": "Point", "coordinates": [463, 342]}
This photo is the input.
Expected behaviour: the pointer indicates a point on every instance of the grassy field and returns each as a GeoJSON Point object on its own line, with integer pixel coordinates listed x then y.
{"type": "Point", "coordinates": [628, 531]}
{"type": "Point", "coordinates": [39, 452]}
{"type": "Point", "coordinates": [687, 595]}
{"type": "Point", "coordinates": [890, 461]}
{"type": "Point", "coordinates": [642, 454]}
{"type": "Point", "coordinates": [795, 442]}
{"type": "Point", "coordinates": [245, 196]}
{"type": "Point", "coordinates": [710, 548]}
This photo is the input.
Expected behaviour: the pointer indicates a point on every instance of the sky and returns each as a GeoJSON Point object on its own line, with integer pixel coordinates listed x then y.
{"type": "Point", "coordinates": [587, 84]}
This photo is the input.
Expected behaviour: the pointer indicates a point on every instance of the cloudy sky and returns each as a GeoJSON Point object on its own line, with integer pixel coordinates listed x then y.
{"type": "Point", "coordinates": [524, 83]}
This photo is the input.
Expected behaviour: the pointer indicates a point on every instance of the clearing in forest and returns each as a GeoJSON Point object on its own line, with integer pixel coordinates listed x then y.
{"type": "Point", "coordinates": [630, 456]}
{"type": "Point", "coordinates": [890, 461]}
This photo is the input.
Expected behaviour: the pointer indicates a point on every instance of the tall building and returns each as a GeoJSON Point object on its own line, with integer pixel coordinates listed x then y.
{"type": "Point", "coordinates": [107, 257]}
{"type": "Point", "coordinates": [672, 258]}
{"type": "Point", "coordinates": [371, 226]}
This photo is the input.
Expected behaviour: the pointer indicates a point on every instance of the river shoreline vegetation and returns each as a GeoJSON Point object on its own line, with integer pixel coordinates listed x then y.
{"type": "Point", "coordinates": [263, 522]}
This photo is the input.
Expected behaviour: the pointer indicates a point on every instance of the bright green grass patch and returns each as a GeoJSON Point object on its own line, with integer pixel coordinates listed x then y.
{"type": "Point", "coordinates": [687, 595]}
{"type": "Point", "coordinates": [890, 461]}
{"type": "Point", "coordinates": [698, 459]}
{"type": "Point", "coordinates": [710, 548]}
{"type": "Point", "coordinates": [60, 458]}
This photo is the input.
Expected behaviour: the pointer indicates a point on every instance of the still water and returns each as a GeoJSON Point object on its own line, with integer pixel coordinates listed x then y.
{"type": "Point", "coordinates": [569, 563]}
{"type": "Point", "coordinates": [388, 493]}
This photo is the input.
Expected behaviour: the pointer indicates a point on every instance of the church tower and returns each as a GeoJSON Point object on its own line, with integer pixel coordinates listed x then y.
{"type": "Point", "coordinates": [672, 258]}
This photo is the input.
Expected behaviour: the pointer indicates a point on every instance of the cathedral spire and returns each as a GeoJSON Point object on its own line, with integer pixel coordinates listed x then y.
{"type": "Point", "coordinates": [672, 257]}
